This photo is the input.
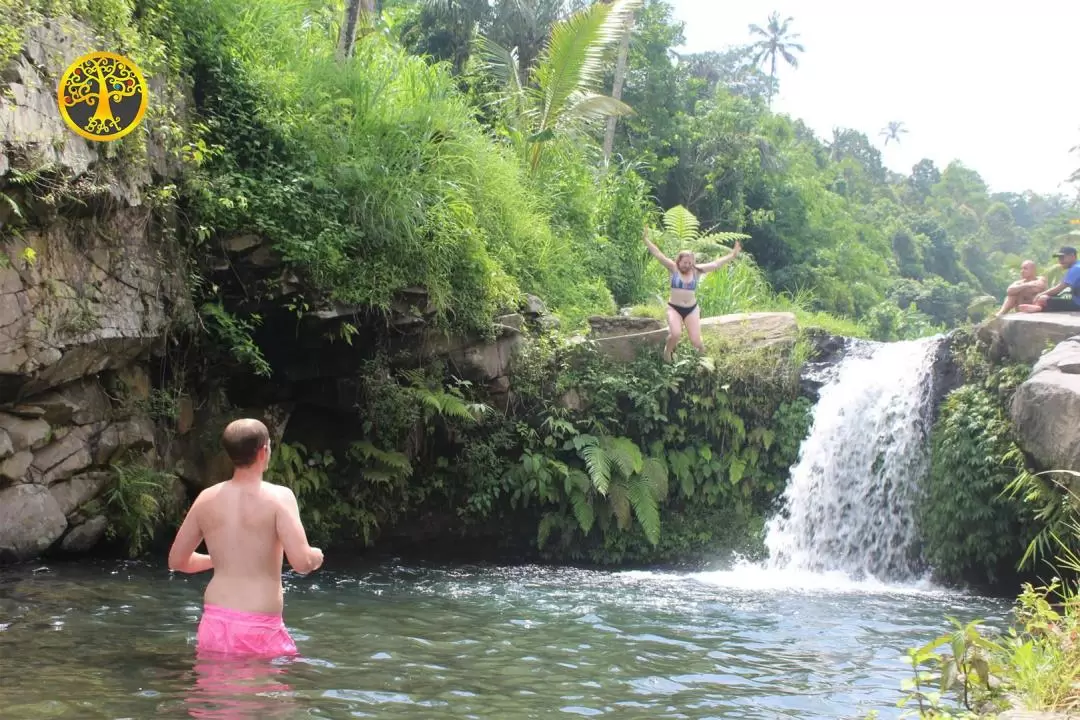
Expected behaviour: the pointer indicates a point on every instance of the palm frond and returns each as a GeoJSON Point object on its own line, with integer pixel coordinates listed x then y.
{"type": "Point", "coordinates": [573, 60]}
{"type": "Point", "coordinates": [591, 106]}
{"type": "Point", "coordinates": [503, 64]}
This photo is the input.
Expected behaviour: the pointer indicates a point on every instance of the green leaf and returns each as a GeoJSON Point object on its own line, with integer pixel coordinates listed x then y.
{"type": "Point", "coordinates": [583, 511]}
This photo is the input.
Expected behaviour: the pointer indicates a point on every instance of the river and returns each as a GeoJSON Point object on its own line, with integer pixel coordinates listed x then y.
{"type": "Point", "coordinates": [116, 640]}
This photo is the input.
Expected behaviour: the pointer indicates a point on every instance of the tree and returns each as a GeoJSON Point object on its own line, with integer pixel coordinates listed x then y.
{"type": "Point", "coordinates": [355, 10]}
{"type": "Point", "coordinates": [776, 41]}
{"type": "Point", "coordinates": [99, 82]}
{"type": "Point", "coordinates": [617, 85]}
{"type": "Point", "coordinates": [893, 131]}
{"type": "Point", "coordinates": [562, 95]}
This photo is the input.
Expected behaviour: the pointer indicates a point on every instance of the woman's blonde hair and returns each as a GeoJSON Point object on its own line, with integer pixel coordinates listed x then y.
{"type": "Point", "coordinates": [684, 253]}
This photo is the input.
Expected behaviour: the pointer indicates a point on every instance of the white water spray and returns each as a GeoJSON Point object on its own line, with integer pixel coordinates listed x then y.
{"type": "Point", "coordinates": [849, 503]}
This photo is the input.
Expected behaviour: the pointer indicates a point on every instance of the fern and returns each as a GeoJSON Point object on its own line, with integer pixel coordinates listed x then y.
{"type": "Point", "coordinates": [583, 511]}
{"type": "Point", "coordinates": [642, 497]}
{"type": "Point", "coordinates": [547, 524]}
{"type": "Point", "coordinates": [624, 453]}
{"type": "Point", "coordinates": [619, 501]}
{"type": "Point", "coordinates": [655, 471]}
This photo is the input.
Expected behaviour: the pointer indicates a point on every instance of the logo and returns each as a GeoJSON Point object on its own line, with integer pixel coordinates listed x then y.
{"type": "Point", "coordinates": [102, 96]}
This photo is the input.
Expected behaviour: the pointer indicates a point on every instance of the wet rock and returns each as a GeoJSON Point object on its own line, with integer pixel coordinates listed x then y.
{"type": "Point", "coordinates": [185, 416]}
{"type": "Point", "coordinates": [1043, 403]}
{"type": "Point", "coordinates": [135, 382]}
{"type": "Point", "coordinates": [16, 466]}
{"type": "Point", "coordinates": [66, 456]}
{"type": "Point", "coordinates": [6, 447]}
{"type": "Point", "coordinates": [84, 537]}
{"type": "Point", "coordinates": [78, 403]}
{"type": "Point", "coordinates": [30, 522]}
{"type": "Point", "coordinates": [135, 433]}
{"type": "Point", "coordinates": [79, 490]}
{"type": "Point", "coordinates": [25, 434]}
{"type": "Point", "coordinates": [1024, 337]}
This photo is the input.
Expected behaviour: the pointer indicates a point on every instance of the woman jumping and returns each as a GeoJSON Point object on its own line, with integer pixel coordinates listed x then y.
{"type": "Point", "coordinates": [682, 305]}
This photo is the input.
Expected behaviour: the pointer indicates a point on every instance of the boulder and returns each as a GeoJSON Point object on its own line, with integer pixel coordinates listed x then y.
{"type": "Point", "coordinates": [16, 466]}
{"type": "Point", "coordinates": [79, 490]}
{"type": "Point", "coordinates": [752, 330]}
{"type": "Point", "coordinates": [601, 326]}
{"type": "Point", "coordinates": [1045, 406]}
{"type": "Point", "coordinates": [7, 449]}
{"type": "Point", "coordinates": [25, 434]}
{"type": "Point", "coordinates": [1024, 337]}
{"type": "Point", "coordinates": [135, 433]}
{"type": "Point", "coordinates": [77, 403]}
{"type": "Point", "coordinates": [30, 522]}
{"type": "Point", "coordinates": [66, 456]}
{"type": "Point", "coordinates": [84, 537]}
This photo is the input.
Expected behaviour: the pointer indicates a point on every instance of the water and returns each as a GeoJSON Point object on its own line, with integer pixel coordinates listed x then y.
{"type": "Point", "coordinates": [390, 641]}
{"type": "Point", "coordinates": [849, 502]}
{"type": "Point", "coordinates": [817, 632]}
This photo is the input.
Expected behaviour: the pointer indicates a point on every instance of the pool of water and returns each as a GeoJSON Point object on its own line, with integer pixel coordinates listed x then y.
{"type": "Point", "coordinates": [116, 640]}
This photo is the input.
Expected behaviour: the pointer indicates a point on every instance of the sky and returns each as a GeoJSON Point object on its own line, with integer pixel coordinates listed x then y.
{"type": "Point", "coordinates": [993, 85]}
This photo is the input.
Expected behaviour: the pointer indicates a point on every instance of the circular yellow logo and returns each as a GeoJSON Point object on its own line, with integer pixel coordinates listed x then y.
{"type": "Point", "coordinates": [102, 96]}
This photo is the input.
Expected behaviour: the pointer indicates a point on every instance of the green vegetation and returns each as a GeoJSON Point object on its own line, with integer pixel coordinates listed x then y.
{"type": "Point", "coordinates": [987, 516]}
{"type": "Point", "coordinates": [973, 529]}
{"type": "Point", "coordinates": [661, 463]}
{"type": "Point", "coordinates": [138, 503]}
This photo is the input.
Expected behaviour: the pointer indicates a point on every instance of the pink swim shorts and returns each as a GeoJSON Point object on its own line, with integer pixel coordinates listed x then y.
{"type": "Point", "coordinates": [235, 632]}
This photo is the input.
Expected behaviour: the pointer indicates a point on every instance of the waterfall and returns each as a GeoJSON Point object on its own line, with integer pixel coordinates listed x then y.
{"type": "Point", "coordinates": [848, 505]}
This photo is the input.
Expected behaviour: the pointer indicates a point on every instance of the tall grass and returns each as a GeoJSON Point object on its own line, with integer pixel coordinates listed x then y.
{"type": "Point", "coordinates": [369, 174]}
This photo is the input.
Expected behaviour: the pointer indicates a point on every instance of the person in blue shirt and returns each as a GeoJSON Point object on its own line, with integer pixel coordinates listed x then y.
{"type": "Point", "coordinates": [1049, 301]}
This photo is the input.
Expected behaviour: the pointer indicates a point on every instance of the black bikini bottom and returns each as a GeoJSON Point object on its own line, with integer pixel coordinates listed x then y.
{"type": "Point", "coordinates": [683, 311]}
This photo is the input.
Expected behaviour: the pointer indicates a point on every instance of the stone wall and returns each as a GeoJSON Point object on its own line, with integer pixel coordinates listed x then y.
{"type": "Point", "coordinates": [88, 289]}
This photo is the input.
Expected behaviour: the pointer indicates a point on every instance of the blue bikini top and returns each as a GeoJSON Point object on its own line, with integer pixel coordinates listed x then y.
{"type": "Point", "coordinates": [678, 282]}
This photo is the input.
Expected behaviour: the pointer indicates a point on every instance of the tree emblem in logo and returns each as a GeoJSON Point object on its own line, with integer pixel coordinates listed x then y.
{"type": "Point", "coordinates": [102, 96]}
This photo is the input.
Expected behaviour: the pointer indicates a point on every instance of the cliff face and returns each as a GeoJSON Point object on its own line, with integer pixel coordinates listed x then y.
{"type": "Point", "coordinates": [88, 288]}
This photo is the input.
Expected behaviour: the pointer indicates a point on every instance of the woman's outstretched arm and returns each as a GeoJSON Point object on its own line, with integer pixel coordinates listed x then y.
{"type": "Point", "coordinates": [721, 261]}
{"type": "Point", "coordinates": [655, 251]}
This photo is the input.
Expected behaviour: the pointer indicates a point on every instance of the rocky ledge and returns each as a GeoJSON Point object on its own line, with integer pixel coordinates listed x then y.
{"type": "Point", "coordinates": [621, 338]}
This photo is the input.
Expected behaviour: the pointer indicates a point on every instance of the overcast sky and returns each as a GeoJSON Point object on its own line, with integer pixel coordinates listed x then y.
{"type": "Point", "coordinates": [994, 85]}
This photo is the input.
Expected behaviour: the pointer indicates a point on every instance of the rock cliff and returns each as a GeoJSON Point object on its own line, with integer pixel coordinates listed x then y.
{"type": "Point", "coordinates": [87, 288]}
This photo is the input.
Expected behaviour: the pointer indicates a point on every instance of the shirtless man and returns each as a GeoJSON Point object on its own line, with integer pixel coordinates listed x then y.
{"type": "Point", "coordinates": [1025, 290]}
{"type": "Point", "coordinates": [1048, 300]}
{"type": "Point", "coordinates": [247, 525]}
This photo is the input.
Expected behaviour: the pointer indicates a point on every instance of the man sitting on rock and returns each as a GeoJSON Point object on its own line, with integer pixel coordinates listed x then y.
{"type": "Point", "coordinates": [1025, 290]}
{"type": "Point", "coordinates": [1049, 301]}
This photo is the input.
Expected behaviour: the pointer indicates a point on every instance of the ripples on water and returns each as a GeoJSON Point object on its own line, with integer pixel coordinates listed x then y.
{"type": "Point", "coordinates": [116, 641]}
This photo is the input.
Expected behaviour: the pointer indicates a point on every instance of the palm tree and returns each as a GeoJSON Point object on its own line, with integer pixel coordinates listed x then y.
{"type": "Point", "coordinates": [893, 132]}
{"type": "Point", "coordinates": [562, 93]}
{"type": "Point", "coordinates": [617, 84]}
{"type": "Point", "coordinates": [775, 42]}
{"type": "Point", "coordinates": [355, 11]}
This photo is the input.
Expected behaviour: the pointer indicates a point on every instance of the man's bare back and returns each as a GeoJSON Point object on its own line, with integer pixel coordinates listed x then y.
{"type": "Point", "coordinates": [249, 526]}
